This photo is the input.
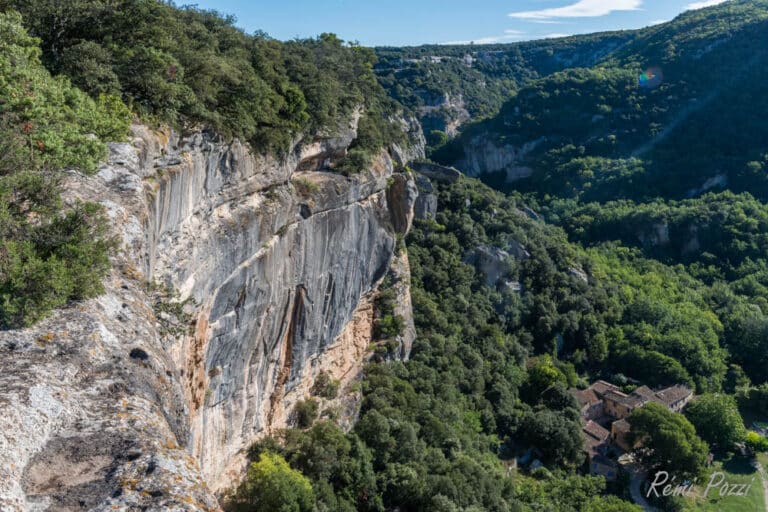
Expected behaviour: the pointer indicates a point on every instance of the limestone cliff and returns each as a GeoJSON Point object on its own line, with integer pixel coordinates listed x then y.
{"type": "Point", "coordinates": [262, 273]}
{"type": "Point", "coordinates": [481, 155]}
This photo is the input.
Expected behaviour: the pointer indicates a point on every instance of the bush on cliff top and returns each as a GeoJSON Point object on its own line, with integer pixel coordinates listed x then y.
{"type": "Point", "coordinates": [187, 65]}
{"type": "Point", "coordinates": [49, 253]}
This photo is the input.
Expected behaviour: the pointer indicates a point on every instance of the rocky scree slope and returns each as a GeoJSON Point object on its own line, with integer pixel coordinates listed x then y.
{"type": "Point", "coordinates": [262, 274]}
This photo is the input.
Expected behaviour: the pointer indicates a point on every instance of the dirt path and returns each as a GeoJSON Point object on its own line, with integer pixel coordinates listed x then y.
{"type": "Point", "coordinates": [759, 467]}
{"type": "Point", "coordinates": [635, 489]}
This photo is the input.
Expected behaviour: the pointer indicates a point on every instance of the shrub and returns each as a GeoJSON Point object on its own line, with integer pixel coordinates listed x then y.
{"type": "Point", "coordinates": [756, 442]}
{"type": "Point", "coordinates": [49, 254]}
{"type": "Point", "coordinates": [325, 386]}
{"type": "Point", "coordinates": [389, 326]}
{"type": "Point", "coordinates": [305, 412]}
{"type": "Point", "coordinates": [272, 485]}
{"type": "Point", "coordinates": [305, 187]}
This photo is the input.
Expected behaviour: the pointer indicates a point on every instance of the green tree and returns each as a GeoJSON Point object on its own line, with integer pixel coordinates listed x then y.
{"type": "Point", "coordinates": [543, 374]}
{"type": "Point", "coordinates": [557, 436]}
{"type": "Point", "coordinates": [90, 66]}
{"type": "Point", "coordinates": [610, 504]}
{"type": "Point", "coordinates": [49, 253]}
{"type": "Point", "coordinates": [717, 419]}
{"type": "Point", "coordinates": [271, 484]}
{"type": "Point", "coordinates": [437, 138]}
{"type": "Point", "coordinates": [668, 441]}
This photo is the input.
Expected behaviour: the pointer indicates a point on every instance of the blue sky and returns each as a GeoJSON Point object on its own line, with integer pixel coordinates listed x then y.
{"type": "Point", "coordinates": [413, 22]}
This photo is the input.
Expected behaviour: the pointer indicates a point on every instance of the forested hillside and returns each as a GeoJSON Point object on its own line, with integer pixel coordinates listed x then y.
{"type": "Point", "coordinates": [634, 251]}
{"type": "Point", "coordinates": [450, 85]}
{"type": "Point", "coordinates": [652, 160]}
{"type": "Point", "coordinates": [672, 113]}
{"type": "Point", "coordinates": [189, 66]}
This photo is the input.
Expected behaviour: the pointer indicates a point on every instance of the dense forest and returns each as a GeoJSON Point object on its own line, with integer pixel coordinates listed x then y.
{"type": "Point", "coordinates": [608, 132]}
{"type": "Point", "coordinates": [437, 81]}
{"type": "Point", "coordinates": [635, 252]}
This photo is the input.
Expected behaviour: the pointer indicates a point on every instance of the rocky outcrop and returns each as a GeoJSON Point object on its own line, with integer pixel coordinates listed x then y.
{"type": "Point", "coordinates": [483, 156]}
{"type": "Point", "coordinates": [426, 203]}
{"type": "Point", "coordinates": [443, 112]}
{"type": "Point", "coordinates": [578, 273]}
{"type": "Point", "coordinates": [261, 274]}
{"type": "Point", "coordinates": [415, 144]}
{"type": "Point", "coordinates": [491, 262]}
{"type": "Point", "coordinates": [436, 172]}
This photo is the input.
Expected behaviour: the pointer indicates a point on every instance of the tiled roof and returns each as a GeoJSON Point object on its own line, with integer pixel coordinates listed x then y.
{"type": "Point", "coordinates": [644, 392]}
{"type": "Point", "coordinates": [621, 426]}
{"type": "Point", "coordinates": [585, 397]}
{"type": "Point", "coordinates": [626, 400]}
{"type": "Point", "coordinates": [673, 394]}
{"type": "Point", "coordinates": [601, 387]}
{"type": "Point", "coordinates": [596, 431]}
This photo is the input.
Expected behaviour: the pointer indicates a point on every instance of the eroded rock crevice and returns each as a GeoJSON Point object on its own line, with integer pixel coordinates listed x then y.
{"type": "Point", "coordinates": [239, 239]}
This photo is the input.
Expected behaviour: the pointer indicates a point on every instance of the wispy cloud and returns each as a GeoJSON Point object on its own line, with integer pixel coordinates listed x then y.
{"type": "Point", "coordinates": [701, 5]}
{"type": "Point", "coordinates": [508, 36]}
{"type": "Point", "coordinates": [580, 9]}
{"type": "Point", "coordinates": [555, 36]}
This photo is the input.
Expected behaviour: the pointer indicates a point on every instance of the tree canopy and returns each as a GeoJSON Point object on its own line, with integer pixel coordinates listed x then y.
{"type": "Point", "coordinates": [717, 419]}
{"type": "Point", "coordinates": [668, 441]}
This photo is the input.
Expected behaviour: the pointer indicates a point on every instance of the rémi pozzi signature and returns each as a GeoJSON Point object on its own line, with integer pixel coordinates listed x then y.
{"type": "Point", "coordinates": [717, 486]}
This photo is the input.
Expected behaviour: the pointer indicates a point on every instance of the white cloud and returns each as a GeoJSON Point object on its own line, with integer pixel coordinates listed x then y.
{"type": "Point", "coordinates": [657, 22]}
{"type": "Point", "coordinates": [701, 5]}
{"type": "Point", "coordinates": [555, 36]}
{"type": "Point", "coordinates": [581, 9]}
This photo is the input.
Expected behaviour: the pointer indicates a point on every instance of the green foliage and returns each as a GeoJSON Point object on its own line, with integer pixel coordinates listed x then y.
{"type": "Point", "coordinates": [441, 85]}
{"type": "Point", "coordinates": [49, 120]}
{"type": "Point", "coordinates": [602, 135]}
{"type": "Point", "coordinates": [186, 65]}
{"type": "Point", "coordinates": [339, 465]}
{"type": "Point", "coordinates": [756, 442]}
{"type": "Point", "coordinates": [754, 400]}
{"type": "Point", "coordinates": [437, 138]}
{"type": "Point", "coordinates": [543, 375]}
{"type": "Point", "coordinates": [556, 435]}
{"type": "Point", "coordinates": [610, 504]}
{"type": "Point", "coordinates": [271, 484]}
{"type": "Point", "coordinates": [305, 412]}
{"type": "Point", "coordinates": [388, 325]}
{"type": "Point", "coordinates": [325, 386]}
{"type": "Point", "coordinates": [717, 420]}
{"type": "Point", "coordinates": [669, 441]}
{"type": "Point", "coordinates": [49, 254]}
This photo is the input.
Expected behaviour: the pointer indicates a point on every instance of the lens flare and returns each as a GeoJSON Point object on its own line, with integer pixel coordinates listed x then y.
{"type": "Point", "coordinates": [652, 78]}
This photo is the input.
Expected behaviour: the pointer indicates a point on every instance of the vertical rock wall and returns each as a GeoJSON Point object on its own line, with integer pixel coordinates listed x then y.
{"type": "Point", "coordinates": [274, 265]}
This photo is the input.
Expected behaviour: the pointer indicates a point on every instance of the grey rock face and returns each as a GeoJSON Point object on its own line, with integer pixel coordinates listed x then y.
{"type": "Point", "coordinates": [426, 203]}
{"type": "Point", "coordinates": [579, 274]}
{"type": "Point", "coordinates": [492, 262]}
{"type": "Point", "coordinates": [483, 156]}
{"type": "Point", "coordinates": [517, 250]}
{"type": "Point", "coordinates": [273, 261]}
{"type": "Point", "coordinates": [415, 147]}
{"type": "Point", "coordinates": [438, 173]}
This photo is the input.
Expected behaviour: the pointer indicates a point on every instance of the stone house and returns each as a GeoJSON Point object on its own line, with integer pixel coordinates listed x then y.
{"type": "Point", "coordinates": [603, 405]}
